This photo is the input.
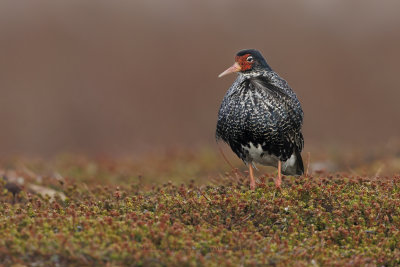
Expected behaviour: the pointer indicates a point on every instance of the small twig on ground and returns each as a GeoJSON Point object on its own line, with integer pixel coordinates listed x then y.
{"type": "Point", "coordinates": [378, 172]}
{"type": "Point", "coordinates": [201, 192]}
{"type": "Point", "coordinates": [308, 163]}
{"type": "Point", "coordinates": [235, 170]}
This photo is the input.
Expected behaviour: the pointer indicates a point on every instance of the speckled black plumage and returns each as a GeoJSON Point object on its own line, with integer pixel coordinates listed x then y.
{"type": "Point", "coordinates": [260, 110]}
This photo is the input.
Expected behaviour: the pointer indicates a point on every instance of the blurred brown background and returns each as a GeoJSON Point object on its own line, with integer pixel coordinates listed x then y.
{"type": "Point", "coordinates": [121, 77]}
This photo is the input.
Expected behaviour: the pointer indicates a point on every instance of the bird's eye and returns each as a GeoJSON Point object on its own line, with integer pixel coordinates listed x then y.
{"type": "Point", "coordinates": [250, 59]}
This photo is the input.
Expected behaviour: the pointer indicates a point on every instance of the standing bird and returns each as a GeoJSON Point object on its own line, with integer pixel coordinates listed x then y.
{"type": "Point", "coordinates": [260, 117]}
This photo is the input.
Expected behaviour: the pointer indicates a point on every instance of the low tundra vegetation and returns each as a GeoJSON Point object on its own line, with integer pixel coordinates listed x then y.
{"type": "Point", "coordinates": [325, 219]}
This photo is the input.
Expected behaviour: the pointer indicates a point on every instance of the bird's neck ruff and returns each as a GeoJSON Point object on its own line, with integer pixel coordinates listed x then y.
{"type": "Point", "coordinates": [253, 74]}
{"type": "Point", "coordinates": [267, 79]}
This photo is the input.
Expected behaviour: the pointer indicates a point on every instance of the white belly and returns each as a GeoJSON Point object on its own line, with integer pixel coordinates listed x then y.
{"type": "Point", "coordinates": [257, 155]}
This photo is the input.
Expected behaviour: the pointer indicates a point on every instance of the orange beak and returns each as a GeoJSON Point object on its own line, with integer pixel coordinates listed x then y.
{"type": "Point", "coordinates": [235, 68]}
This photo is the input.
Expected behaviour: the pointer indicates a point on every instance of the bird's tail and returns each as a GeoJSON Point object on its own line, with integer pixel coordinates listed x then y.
{"type": "Point", "coordinates": [294, 165]}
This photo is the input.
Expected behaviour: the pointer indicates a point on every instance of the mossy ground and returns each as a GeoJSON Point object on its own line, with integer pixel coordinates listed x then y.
{"type": "Point", "coordinates": [179, 210]}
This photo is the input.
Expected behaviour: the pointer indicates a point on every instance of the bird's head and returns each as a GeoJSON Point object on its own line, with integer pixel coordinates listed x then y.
{"type": "Point", "coordinates": [247, 60]}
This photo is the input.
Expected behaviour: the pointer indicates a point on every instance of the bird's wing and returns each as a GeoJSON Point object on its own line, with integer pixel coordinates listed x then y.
{"type": "Point", "coordinates": [279, 89]}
